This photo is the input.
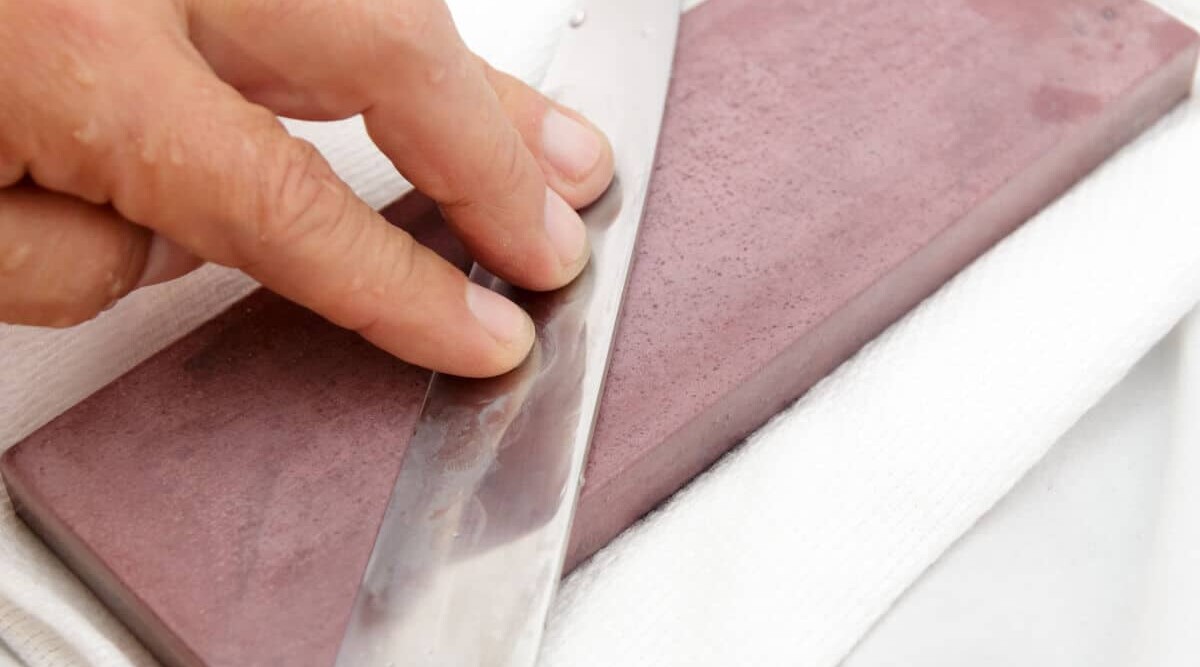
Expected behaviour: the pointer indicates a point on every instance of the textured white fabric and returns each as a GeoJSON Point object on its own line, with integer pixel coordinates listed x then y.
{"type": "Point", "coordinates": [793, 546]}
{"type": "Point", "coordinates": [1065, 569]}
{"type": "Point", "coordinates": [1091, 560]}
{"type": "Point", "coordinates": [1172, 601]}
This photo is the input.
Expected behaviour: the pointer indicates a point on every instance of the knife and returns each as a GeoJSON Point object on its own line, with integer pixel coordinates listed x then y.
{"type": "Point", "coordinates": [471, 546]}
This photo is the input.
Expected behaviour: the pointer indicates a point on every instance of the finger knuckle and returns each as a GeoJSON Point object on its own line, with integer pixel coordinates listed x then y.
{"type": "Point", "coordinates": [495, 190]}
{"type": "Point", "coordinates": [299, 197]}
{"type": "Point", "coordinates": [507, 168]}
{"type": "Point", "coordinates": [383, 279]}
{"type": "Point", "coordinates": [387, 272]}
{"type": "Point", "coordinates": [55, 111]}
{"type": "Point", "coordinates": [400, 264]}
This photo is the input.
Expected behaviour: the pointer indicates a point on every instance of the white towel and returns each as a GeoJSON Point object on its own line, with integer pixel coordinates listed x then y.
{"type": "Point", "coordinates": [794, 545]}
{"type": "Point", "coordinates": [1064, 570]}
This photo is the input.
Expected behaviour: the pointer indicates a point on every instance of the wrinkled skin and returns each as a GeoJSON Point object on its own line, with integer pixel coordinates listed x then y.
{"type": "Point", "coordinates": [139, 139]}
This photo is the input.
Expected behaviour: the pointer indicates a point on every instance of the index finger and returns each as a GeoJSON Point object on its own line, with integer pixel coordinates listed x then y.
{"type": "Point", "coordinates": [431, 106]}
{"type": "Point", "coordinates": [222, 178]}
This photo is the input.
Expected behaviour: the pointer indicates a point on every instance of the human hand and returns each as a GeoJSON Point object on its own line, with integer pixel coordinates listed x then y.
{"type": "Point", "coordinates": [139, 138]}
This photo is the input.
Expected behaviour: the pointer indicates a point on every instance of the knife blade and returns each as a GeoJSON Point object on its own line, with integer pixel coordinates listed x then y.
{"type": "Point", "coordinates": [471, 546]}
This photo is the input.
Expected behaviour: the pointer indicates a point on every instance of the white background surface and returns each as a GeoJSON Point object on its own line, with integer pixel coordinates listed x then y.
{"type": "Point", "coordinates": [1069, 568]}
{"type": "Point", "coordinates": [793, 549]}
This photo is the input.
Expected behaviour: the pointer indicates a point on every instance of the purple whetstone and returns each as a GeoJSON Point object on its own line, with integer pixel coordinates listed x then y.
{"type": "Point", "coordinates": [823, 167]}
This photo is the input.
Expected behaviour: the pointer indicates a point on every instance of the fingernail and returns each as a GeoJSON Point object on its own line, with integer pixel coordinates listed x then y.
{"type": "Point", "coordinates": [565, 229]}
{"type": "Point", "coordinates": [503, 319]}
{"type": "Point", "coordinates": [572, 147]}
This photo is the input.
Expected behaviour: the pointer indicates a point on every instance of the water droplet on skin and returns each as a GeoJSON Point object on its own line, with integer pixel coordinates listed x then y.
{"type": "Point", "coordinates": [115, 287]}
{"type": "Point", "coordinates": [578, 18]}
{"type": "Point", "coordinates": [83, 74]}
{"type": "Point", "coordinates": [146, 151]}
{"type": "Point", "coordinates": [88, 133]}
{"type": "Point", "coordinates": [15, 257]}
{"type": "Point", "coordinates": [437, 74]}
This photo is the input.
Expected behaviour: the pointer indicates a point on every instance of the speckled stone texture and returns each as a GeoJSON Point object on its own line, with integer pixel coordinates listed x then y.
{"type": "Point", "coordinates": [823, 167]}
{"type": "Point", "coordinates": [222, 498]}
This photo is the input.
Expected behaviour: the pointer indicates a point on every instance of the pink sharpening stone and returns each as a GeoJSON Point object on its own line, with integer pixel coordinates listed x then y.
{"type": "Point", "coordinates": [823, 167]}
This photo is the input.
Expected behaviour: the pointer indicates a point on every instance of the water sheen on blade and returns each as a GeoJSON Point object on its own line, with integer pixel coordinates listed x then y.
{"type": "Point", "coordinates": [471, 546]}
